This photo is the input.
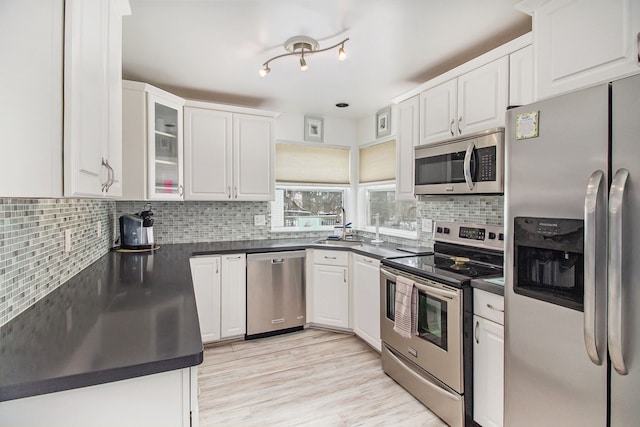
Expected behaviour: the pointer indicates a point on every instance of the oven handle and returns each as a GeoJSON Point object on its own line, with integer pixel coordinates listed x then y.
{"type": "Point", "coordinates": [467, 165]}
{"type": "Point", "coordinates": [425, 288]}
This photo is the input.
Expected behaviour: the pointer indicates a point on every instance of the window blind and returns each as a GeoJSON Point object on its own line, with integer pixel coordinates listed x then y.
{"type": "Point", "coordinates": [378, 162]}
{"type": "Point", "coordinates": [310, 164]}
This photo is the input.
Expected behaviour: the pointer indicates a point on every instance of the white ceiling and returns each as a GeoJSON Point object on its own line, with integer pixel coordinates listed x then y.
{"type": "Point", "coordinates": [213, 49]}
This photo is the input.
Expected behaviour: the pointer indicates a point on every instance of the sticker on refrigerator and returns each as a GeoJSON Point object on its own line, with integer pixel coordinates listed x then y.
{"type": "Point", "coordinates": [527, 125]}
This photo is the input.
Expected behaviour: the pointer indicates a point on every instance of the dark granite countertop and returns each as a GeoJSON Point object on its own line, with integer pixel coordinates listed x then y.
{"type": "Point", "coordinates": [124, 316]}
{"type": "Point", "coordinates": [487, 285]}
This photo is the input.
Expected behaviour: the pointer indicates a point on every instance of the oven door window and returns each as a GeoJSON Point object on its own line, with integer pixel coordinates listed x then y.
{"type": "Point", "coordinates": [432, 319]}
{"type": "Point", "coordinates": [391, 301]}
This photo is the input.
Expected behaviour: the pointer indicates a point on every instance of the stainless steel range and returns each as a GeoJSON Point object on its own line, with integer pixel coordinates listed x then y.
{"type": "Point", "coordinates": [435, 362]}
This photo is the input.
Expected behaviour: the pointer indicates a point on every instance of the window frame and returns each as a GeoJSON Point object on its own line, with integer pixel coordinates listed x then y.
{"type": "Point", "coordinates": [363, 211]}
{"type": "Point", "coordinates": [345, 188]}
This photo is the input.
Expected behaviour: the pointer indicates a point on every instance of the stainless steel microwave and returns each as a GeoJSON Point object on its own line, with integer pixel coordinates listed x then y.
{"type": "Point", "coordinates": [472, 164]}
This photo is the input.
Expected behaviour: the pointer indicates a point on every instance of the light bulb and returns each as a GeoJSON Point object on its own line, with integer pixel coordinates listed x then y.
{"type": "Point", "coordinates": [303, 64]}
{"type": "Point", "coordinates": [264, 71]}
{"type": "Point", "coordinates": [342, 55]}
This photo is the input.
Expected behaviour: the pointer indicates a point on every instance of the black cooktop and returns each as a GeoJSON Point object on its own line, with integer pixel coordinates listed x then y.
{"type": "Point", "coordinates": [451, 263]}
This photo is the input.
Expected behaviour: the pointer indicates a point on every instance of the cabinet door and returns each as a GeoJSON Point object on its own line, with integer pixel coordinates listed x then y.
{"type": "Point", "coordinates": [86, 97]}
{"type": "Point", "coordinates": [483, 96]}
{"type": "Point", "coordinates": [206, 273]}
{"type": "Point", "coordinates": [438, 112]}
{"type": "Point", "coordinates": [521, 79]}
{"type": "Point", "coordinates": [408, 138]}
{"type": "Point", "coordinates": [208, 154]}
{"type": "Point", "coordinates": [253, 153]}
{"type": "Point", "coordinates": [165, 149]}
{"type": "Point", "coordinates": [234, 295]}
{"type": "Point", "coordinates": [331, 295]}
{"type": "Point", "coordinates": [488, 372]}
{"type": "Point", "coordinates": [366, 300]}
{"type": "Point", "coordinates": [580, 43]}
{"type": "Point", "coordinates": [92, 97]}
{"type": "Point", "coordinates": [31, 42]}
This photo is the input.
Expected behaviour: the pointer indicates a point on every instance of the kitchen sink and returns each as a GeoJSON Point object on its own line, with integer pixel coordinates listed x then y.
{"type": "Point", "coordinates": [333, 242]}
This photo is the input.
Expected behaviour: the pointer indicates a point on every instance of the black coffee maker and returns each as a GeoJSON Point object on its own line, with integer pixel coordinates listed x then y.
{"type": "Point", "coordinates": [136, 231]}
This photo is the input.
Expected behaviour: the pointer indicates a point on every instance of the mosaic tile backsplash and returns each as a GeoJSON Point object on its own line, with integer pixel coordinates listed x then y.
{"type": "Point", "coordinates": [32, 258]}
{"type": "Point", "coordinates": [33, 262]}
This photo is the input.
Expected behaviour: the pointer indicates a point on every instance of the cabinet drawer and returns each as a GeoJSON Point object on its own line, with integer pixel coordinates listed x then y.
{"type": "Point", "coordinates": [488, 305]}
{"type": "Point", "coordinates": [331, 257]}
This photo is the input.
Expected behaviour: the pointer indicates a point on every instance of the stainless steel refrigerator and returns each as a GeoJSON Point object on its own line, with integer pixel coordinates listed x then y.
{"type": "Point", "coordinates": [572, 259]}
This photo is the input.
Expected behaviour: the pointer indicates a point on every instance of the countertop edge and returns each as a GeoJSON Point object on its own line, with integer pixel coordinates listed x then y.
{"type": "Point", "coordinates": [88, 379]}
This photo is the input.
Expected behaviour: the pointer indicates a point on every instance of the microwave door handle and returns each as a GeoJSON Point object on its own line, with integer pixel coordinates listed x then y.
{"type": "Point", "coordinates": [616, 199]}
{"type": "Point", "coordinates": [594, 214]}
{"type": "Point", "coordinates": [467, 165]}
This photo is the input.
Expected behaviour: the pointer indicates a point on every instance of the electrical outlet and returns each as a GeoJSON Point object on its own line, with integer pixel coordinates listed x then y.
{"type": "Point", "coordinates": [67, 240]}
{"type": "Point", "coordinates": [259, 220]}
{"type": "Point", "coordinates": [427, 225]}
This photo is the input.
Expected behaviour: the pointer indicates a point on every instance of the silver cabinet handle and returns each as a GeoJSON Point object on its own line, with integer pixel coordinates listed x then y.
{"type": "Point", "coordinates": [475, 332]}
{"type": "Point", "coordinates": [459, 121]}
{"type": "Point", "coordinates": [110, 176]}
{"type": "Point", "coordinates": [229, 191]}
{"type": "Point", "coordinates": [181, 192]}
{"type": "Point", "coordinates": [495, 308]}
{"type": "Point", "coordinates": [467, 165]}
{"type": "Point", "coordinates": [594, 276]}
{"type": "Point", "coordinates": [451, 126]}
{"type": "Point", "coordinates": [616, 198]}
{"type": "Point", "coordinates": [217, 268]}
{"type": "Point", "coordinates": [329, 257]}
{"type": "Point", "coordinates": [369, 261]}
{"type": "Point", "coordinates": [277, 261]}
{"type": "Point", "coordinates": [344, 276]}
{"type": "Point", "coordinates": [104, 184]}
{"type": "Point", "coordinates": [235, 192]}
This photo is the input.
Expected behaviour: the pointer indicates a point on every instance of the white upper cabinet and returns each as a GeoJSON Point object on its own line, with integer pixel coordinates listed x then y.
{"type": "Point", "coordinates": [408, 136]}
{"type": "Point", "coordinates": [92, 97]}
{"type": "Point", "coordinates": [208, 156]}
{"type": "Point", "coordinates": [474, 101]}
{"type": "Point", "coordinates": [152, 143]}
{"type": "Point", "coordinates": [521, 77]}
{"type": "Point", "coordinates": [482, 97]}
{"type": "Point", "coordinates": [580, 43]}
{"type": "Point", "coordinates": [229, 154]}
{"type": "Point", "coordinates": [438, 108]}
{"type": "Point", "coordinates": [31, 42]}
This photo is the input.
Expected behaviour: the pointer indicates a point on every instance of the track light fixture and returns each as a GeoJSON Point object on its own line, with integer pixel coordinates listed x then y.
{"type": "Point", "coordinates": [301, 46]}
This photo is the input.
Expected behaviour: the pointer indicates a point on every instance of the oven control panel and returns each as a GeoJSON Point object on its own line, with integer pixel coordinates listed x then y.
{"type": "Point", "coordinates": [476, 235]}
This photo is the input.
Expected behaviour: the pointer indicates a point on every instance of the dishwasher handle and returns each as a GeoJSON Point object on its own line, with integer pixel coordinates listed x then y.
{"type": "Point", "coordinates": [275, 257]}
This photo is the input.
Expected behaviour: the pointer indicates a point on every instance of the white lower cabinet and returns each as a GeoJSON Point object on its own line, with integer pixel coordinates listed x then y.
{"type": "Point", "coordinates": [164, 399]}
{"type": "Point", "coordinates": [366, 299]}
{"type": "Point", "coordinates": [330, 289]}
{"type": "Point", "coordinates": [233, 296]}
{"type": "Point", "coordinates": [219, 283]}
{"type": "Point", "coordinates": [488, 359]}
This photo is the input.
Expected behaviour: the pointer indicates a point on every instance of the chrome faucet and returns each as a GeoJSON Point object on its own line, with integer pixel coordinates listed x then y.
{"type": "Point", "coordinates": [344, 224]}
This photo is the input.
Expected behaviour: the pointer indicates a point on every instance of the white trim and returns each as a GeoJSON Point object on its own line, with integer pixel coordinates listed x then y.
{"type": "Point", "coordinates": [230, 108]}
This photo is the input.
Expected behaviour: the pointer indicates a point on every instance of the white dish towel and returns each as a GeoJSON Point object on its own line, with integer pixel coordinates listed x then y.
{"type": "Point", "coordinates": [405, 308]}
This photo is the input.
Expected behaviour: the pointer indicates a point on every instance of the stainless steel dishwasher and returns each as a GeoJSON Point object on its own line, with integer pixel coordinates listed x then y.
{"type": "Point", "coordinates": [275, 293]}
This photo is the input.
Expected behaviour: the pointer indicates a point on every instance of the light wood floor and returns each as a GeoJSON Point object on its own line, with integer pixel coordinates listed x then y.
{"type": "Point", "coordinates": [312, 378]}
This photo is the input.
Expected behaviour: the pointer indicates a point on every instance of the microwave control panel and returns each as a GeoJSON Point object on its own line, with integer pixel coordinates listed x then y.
{"type": "Point", "coordinates": [486, 164]}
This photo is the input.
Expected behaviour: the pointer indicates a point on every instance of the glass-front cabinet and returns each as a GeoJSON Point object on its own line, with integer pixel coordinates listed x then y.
{"type": "Point", "coordinates": [152, 149]}
{"type": "Point", "coordinates": [165, 149]}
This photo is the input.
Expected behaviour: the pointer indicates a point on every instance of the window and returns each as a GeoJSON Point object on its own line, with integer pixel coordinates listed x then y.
{"type": "Point", "coordinates": [306, 209]}
{"type": "Point", "coordinates": [395, 216]}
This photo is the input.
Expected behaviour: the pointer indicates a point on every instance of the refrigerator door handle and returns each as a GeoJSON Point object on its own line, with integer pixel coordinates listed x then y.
{"type": "Point", "coordinates": [616, 200]}
{"type": "Point", "coordinates": [594, 214]}
{"type": "Point", "coordinates": [467, 165]}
